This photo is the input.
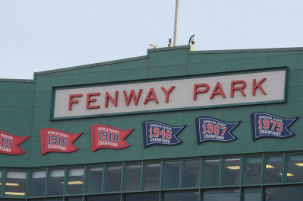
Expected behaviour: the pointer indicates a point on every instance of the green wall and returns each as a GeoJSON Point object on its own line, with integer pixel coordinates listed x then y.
{"type": "Point", "coordinates": [25, 106]}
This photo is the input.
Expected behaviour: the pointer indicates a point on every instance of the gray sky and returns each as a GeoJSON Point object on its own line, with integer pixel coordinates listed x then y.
{"type": "Point", "coordinates": [39, 35]}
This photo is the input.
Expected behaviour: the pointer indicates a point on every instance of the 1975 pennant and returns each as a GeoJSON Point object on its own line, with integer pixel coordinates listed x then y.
{"type": "Point", "coordinates": [270, 126]}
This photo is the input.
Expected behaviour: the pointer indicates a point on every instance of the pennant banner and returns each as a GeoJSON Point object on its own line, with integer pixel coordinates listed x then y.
{"type": "Point", "coordinates": [54, 140]}
{"type": "Point", "coordinates": [155, 132]}
{"type": "Point", "coordinates": [211, 129]}
{"type": "Point", "coordinates": [9, 144]}
{"type": "Point", "coordinates": [268, 125]}
{"type": "Point", "coordinates": [107, 137]}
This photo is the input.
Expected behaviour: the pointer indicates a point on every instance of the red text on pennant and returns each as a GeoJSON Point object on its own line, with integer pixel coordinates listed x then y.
{"type": "Point", "coordinates": [54, 140]}
{"type": "Point", "coordinates": [107, 137]}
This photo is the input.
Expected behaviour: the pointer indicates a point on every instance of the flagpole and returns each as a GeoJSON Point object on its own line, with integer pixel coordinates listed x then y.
{"type": "Point", "coordinates": [176, 22]}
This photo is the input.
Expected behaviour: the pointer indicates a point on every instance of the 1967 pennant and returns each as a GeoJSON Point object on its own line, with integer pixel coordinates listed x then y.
{"type": "Point", "coordinates": [54, 140]}
{"type": "Point", "coordinates": [211, 129]}
{"type": "Point", "coordinates": [107, 137]}
{"type": "Point", "coordinates": [9, 144]}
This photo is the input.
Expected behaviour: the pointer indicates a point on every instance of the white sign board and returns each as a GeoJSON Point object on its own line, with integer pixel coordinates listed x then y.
{"type": "Point", "coordinates": [201, 92]}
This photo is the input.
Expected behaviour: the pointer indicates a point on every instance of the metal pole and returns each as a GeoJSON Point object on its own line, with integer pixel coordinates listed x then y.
{"type": "Point", "coordinates": [176, 22]}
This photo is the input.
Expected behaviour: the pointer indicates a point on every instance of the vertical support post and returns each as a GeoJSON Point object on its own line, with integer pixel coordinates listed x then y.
{"type": "Point", "coordinates": [28, 180]}
{"type": "Point", "coordinates": [161, 197]}
{"type": "Point", "coordinates": [284, 171]}
{"type": "Point", "coordinates": [201, 177]}
{"type": "Point", "coordinates": [122, 179]}
{"type": "Point", "coordinates": [181, 173]}
{"type": "Point", "coordinates": [142, 176]}
{"type": "Point", "coordinates": [65, 185]}
{"type": "Point", "coordinates": [46, 181]}
{"type": "Point", "coordinates": [176, 22]}
{"type": "Point", "coordinates": [221, 171]}
{"type": "Point", "coordinates": [104, 179]}
{"type": "Point", "coordinates": [85, 179]}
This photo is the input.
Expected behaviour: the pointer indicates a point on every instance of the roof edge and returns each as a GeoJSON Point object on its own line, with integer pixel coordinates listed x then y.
{"type": "Point", "coordinates": [247, 50]}
{"type": "Point", "coordinates": [15, 80]}
{"type": "Point", "coordinates": [90, 65]}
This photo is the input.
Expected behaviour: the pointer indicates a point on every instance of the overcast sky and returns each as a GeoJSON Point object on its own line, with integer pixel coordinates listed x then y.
{"type": "Point", "coordinates": [39, 35]}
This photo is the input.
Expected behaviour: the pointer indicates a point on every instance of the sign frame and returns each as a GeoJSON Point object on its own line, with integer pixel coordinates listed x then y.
{"type": "Point", "coordinates": [138, 81]}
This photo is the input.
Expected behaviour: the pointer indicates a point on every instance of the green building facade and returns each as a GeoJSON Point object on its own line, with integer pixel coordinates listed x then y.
{"type": "Point", "coordinates": [188, 171]}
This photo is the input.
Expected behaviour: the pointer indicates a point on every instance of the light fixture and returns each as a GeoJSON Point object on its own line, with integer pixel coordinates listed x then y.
{"type": "Point", "coordinates": [73, 182]}
{"type": "Point", "coordinates": [153, 45]}
{"type": "Point", "coordinates": [233, 167]}
{"type": "Point", "coordinates": [11, 184]}
{"type": "Point", "coordinates": [152, 165]}
{"type": "Point", "coordinates": [232, 159]}
{"type": "Point", "coordinates": [192, 40]}
{"type": "Point", "coordinates": [269, 166]}
{"type": "Point", "coordinates": [169, 43]}
{"type": "Point", "coordinates": [288, 174]}
{"type": "Point", "coordinates": [14, 193]}
{"type": "Point", "coordinates": [299, 164]}
{"type": "Point", "coordinates": [94, 169]}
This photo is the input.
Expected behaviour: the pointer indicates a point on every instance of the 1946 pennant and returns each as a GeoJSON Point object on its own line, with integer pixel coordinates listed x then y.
{"type": "Point", "coordinates": [158, 133]}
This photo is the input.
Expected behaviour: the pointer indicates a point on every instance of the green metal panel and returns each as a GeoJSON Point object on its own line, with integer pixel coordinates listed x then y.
{"type": "Point", "coordinates": [205, 58]}
{"type": "Point", "coordinates": [17, 85]}
{"type": "Point", "coordinates": [167, 58]}
{"type": "Point", "coordinates": [245, 55]}
{"type": "Point", "coordinates": [43, 98]}
{"type": "Point", "coordinates": [140, 63]}
{"type": "Point", "coordinates": [14, 114]}
{"type": "Point", "coordinates": [92, 69]}
{"type": "Point", "coordinates": [207, 67]}
{"type": "Point", "coordinates": [28, 108]}
{"type": "Point", "coordinates": [167, 71]}
{"type": "Point", "coordinates": [17, 98]}
{"type": "Point", "coordinates": [128, 74]}
{"type": "Point", "coordinates": [89, 78]}
{"type": "Point", "coordinates": [291, 60]}
{"type": "Point", "coordinates": [249, 63]}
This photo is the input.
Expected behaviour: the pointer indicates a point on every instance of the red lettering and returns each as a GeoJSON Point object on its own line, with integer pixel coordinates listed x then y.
{"type": "Point", "coordinates": [258, 85]}
{"type": "Point", "coordinates": [89, 100]}
{"type": "Point", "coordinates": [108, 96]}
{"type": "Point", "coordinates": [215, 92]}
{"type": "Point", "coordinates": [71, 101]}
{"type": "Point", "coordinates": [167, 92]}
{"type": "Point", "coordinates": [148, 97]}
{"type": "Point", "coordinates": [233, 88]}
{"type": "Point", "coordinates": [196, 91]}
{"type": "Point", "coordinates": [132, 95]}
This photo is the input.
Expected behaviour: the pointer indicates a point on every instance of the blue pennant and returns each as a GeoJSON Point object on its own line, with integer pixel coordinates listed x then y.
{"type": "Point", "coordinates": [155, 132]}
{"type": "Point", "coordinates": [268, 125]}
{"type": "Point", "coordinates": [211, 129]}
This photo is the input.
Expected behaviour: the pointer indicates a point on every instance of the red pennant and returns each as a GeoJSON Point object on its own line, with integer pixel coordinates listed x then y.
{"type": "Point", "coordinates": [107, 137]}
{"type": "Point", "coordinates": [9, 144]}
{"type": "Point", "coordinates": [54, 140]}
